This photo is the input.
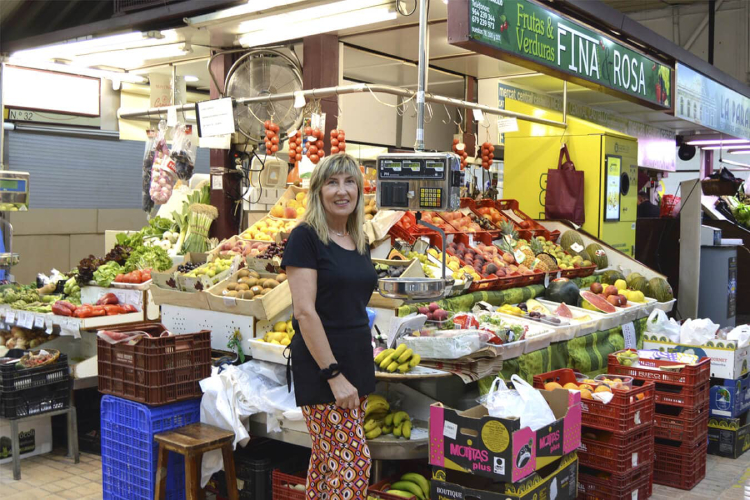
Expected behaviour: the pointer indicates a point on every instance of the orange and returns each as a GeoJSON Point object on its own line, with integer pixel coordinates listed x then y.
{"type": "Point", "coordinates": [570, 385]}
{"type": "Point", "coordinates": [640, 397]}
{"type": "Point", "coordinates": [617, 385]}
{"type": "Point", "coordinates": [277, 211]}
{"type": "Point", "coordinates": [603, 388]}
{"type": "Point", "coordinates": [585, 386]}
{"type": "Point", "coordinates": [618, 380]}
{"type": "Point", "coordinates": [586, 394]}
{"type": "Point", "coordinates": [550, 386]}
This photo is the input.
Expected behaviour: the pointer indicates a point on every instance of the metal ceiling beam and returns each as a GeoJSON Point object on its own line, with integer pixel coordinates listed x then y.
{"type": "Point", "coordinates": [699, 30]}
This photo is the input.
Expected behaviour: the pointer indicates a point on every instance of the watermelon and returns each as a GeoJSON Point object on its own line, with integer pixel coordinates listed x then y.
{"type": "Point", "coordinates": [570, 238]}
{"type": "Point", "coordinates": [660, 290]}
{"type": "Point", "coordinates": [598, 255]}
{"type": "Point", "coordinates": [609, 277]}
{"type": "Point", "coordinates": [631, 277]}
{"type": "Point", "coordinates": [563, 311]}
{"type": "Point", "coordinates": [562, 290]}
{"type": "Point", "coordinates": [597, 302]}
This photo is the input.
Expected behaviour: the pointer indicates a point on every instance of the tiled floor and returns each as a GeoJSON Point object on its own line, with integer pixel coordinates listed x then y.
{"type": "Point", "coordinates": [54, 476]}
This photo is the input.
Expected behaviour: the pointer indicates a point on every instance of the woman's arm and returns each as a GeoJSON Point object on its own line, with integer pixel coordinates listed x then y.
{"type": "Point", "coordinates": [303, 283]}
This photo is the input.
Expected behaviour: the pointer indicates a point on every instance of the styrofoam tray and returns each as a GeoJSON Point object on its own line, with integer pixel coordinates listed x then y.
{"type": "Point", "coordinates": [584, 328]}
{"type": "Point", "coordinates": [665, 306]}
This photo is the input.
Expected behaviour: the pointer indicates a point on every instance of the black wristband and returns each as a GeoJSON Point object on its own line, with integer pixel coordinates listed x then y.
{"type": "Point", "coordinates": [330, 372]}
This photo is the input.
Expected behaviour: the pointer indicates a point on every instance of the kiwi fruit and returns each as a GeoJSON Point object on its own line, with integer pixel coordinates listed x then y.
{"type": "Point", "coordinates": [266, 290]}
{"type": "Point", "coordinates": [253, 274]}
{"type": "Point", "coordinates": [269, 283]}
{"type": "Point", "coordinates": [281, 278]}
{"type": "Point", "coordinates": [243, 280]}
{"type": "Point", "coordinates": [243, 273]}
{"type": "Point", "coordinates": [231, 294]}
{"type": "Point", "coordinates": [257, 290]}
{"type": "Point", "coordinates": [242, 287]}
{"type": "Point", "coordinates": [248, 295]}
{"type": "Point", "coordinates": [251, 281]}
{"type": "Point", "coordinates": [232, 286]}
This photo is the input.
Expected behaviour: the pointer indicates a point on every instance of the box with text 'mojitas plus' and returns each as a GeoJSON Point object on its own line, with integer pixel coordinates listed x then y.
{"type": "Point", "coordinates": [472, 441]}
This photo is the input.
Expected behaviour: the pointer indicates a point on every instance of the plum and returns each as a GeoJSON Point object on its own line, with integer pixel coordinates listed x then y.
{"type": "Point", "coordinates": [423, 310]}
{"type": "Point", "coordinates": [433, 306]}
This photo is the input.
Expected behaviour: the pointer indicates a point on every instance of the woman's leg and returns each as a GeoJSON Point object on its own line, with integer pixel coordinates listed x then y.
{"type": "Point", "coordinates": [340, 461]}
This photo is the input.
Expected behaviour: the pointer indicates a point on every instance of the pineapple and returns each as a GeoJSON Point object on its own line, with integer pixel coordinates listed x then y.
{"type": "Point", "coordinates": [545, 263]}
{"type": "Point", "coordinates": [536, 246]}
{"type": "Point", "coordinates": [506, 227]}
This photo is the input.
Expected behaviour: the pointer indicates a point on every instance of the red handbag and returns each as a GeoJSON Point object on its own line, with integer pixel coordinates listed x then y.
{"type": "Point", "coordinates": [564, 195]}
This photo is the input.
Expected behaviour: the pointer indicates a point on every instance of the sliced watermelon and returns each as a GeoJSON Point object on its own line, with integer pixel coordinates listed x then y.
{"type": "Point", "coordinates": [598, 302]}
{"type": "Point", "coordinates": [563, 311]}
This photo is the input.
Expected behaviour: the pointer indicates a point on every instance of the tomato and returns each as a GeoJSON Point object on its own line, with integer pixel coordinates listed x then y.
{"type": "Point", "coordinates": [298, 157]}
{"type": "Point", "coordinates": [334, 150]}
{"type": "Point", "coordinates": [275, 139]}
{"type": "Point", "coordinates": [321, 154]}
{"type": "Point", "coordinates": [314, 158]}
{"type": "Point", "coordinates": [334, 142]}
{"type": "Point", "coordinates": [119, 278]}
{"type": "Point", "coordinates": [275, 127]}
{"type": "Point", "coordinates": [342, 137]}
{"type": "Point", "coordinates": [312, 150]}
{"type": "Point", "coordinates": [298, 149]}
{"type": "Point", "coordinates": [267, 124]}
{"type": "Point", "coordinates": [308, 130]}
{"type": "Point", "coordinates": [320, 144]}
{"type": "Point", "coordinates": [274, 148]}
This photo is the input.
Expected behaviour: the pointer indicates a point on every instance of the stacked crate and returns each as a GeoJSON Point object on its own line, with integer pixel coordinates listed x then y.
{"type": "Point", "coordinates": [617, 441]}
{"type": "Point", "coordinates": [680, 419]}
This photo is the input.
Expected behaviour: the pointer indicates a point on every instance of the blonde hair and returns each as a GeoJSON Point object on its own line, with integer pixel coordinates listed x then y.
{"type": "Point", "coordinates": [315, 215]}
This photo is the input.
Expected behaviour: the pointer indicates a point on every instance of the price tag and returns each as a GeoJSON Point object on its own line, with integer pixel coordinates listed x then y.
{"type": "Point", "coordinates": [471, 240]}
{"type": "Point", "coordinates": [215, 117]}
{"type": "Point", "coordinates": [450, 430]}
{"type": "Point", "coordinates": [478, 115]}
{"type": "Point", "coordinates": [230, 301]}
{"type": "Point", "coordinates": [634, 495]}
{"type": "Point", "coordinates": [299, 100]}
{"type": "Point", "coordinates": [171, 116]}
{"type": "Point", "coordinates": [70, 327]}
{"type": "Point", "coordinates": [39, 322]}
{"type": "Point", "coordinates": [634, 459]}
{"type": "Point", "coordinates": [628, 331]}
{"type": "Point", "coordinates": [48, 325]}
{"type": "Point", "coordinates": [505, 125]}
{"type": "Point", "coordinates": [576, 248]}
{"type": "Point", "coordinates": [10, 318]}
{"type": "Point", "coordinates": [546, 280]}
{"type": "Point", "coordinates": [26, 320]}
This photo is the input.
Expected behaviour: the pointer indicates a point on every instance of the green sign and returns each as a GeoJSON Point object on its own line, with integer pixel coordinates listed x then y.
{"type": "Point", "coordinates": [527, 33]}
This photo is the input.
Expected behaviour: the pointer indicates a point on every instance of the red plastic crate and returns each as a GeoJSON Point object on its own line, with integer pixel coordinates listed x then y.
{"type": "Point", "coordinates": [685, 398]}
{"type": "Point", "coordinates": [156, 370]}
{"type": "Point", "coordinates": [679, 469]}
{"type": "Point", "coordinates": [599, 485]}
{"type": "Point", "coordinates": [377, 490]}
{"type": "Point", "coordinates": [282, 486]}
{"type": "Point", "coordinates": [407, 229]}
{"type": "Point", "coordinates": [689, 375]}
{"type": "Point", "coordinates": [616, 453]}
{"type": "Point", "coordinates": [680, 424]}
{"type": "Point", "coordinates": [532, 228]}
{"type": "Point", "coordinates": [625, 413]}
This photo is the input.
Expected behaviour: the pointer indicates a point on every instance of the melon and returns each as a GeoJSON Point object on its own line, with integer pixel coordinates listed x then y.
{"type": "Point", "coordinates": [598, 255]}
{"type": "Point", "coordinates": [584, 255]}
{"type": "Point", "coordinates": [632, 277]}
{"type": "Point", "coordinates": [570, 237]}
{"type": "Point", "coordinates": [609, 277]}
{"type": "Point", "coordinates": [640, 284]}
{"type": "Point", "coordinates": [660, 290]}
{"type": "Point", "coordinates": [562, 290]}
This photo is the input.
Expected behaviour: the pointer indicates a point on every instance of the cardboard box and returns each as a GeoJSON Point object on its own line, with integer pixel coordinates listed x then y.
{"type": "Point", "coordinates": [266, 306]}
{"type": "Point", "coordinates": [472, 441]}
{"type": "Point", "coordinates": [559, 481]}
{"type": "Point", "coordinates": [413, 270]}
{"type": "Point", "coordinates": [727, 361]}
{"type": "Point", "coordinates": [168, 279]}
{"type": "Point", "coordinates": [34, 436]}
{"type": "Point", "coordinates": [174, 297]}
{"type": "Point", "coordinates": [729, 437]}
{"type": "Point", "coordinates": [730, 398]}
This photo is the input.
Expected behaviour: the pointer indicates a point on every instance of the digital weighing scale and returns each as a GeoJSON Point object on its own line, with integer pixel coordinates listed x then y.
{"type": "Point", "coordinates": [14, 197]}
{"type": "Point", "coordinates": [419, 181]}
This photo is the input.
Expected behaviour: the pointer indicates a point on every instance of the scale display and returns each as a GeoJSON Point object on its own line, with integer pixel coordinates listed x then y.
{"type": "Point", "coordinates": [12, 185]}
{"type": "Point", "coordinates": [419, 181]}
{"type": "Point", "coordinates": [14, 191]}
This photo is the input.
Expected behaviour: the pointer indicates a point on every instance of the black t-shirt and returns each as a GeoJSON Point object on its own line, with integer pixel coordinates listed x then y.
{"type": "Point", "coordinates": [346, 280]}
{"type": "Point", "coordinates": [648, 210]}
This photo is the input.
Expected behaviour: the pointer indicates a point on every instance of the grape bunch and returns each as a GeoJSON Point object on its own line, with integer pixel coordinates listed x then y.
{"type": "Point", "coordinates": [188, 266]}
{"type": "Point", "coordinates": [338, 141]}
{"type": "Point", "coordinates": [272, 137]}
{"type": "Point", "coordinates": [460, 150]}
{"type": "Point", "coordinates": [314, 144]}
{"type": "Point", "coordinates": [274, 250]}
{"type": "Point", "coordinates": [483, 222]}
{"type": "Point", "coordinates": [488, 153]}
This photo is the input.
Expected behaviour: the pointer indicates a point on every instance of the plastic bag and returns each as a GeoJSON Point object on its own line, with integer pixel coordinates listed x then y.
{"type": "Point", "coordinates": [524, 402]}
{"type": "Point", "coordinates": [741, 334]}
{"type": "Point", "coordinates": [659, 324]}
{"type": "Point", "coordinates": [698, 331]}
{"type": "Point", "coordinates": [183, 151]}
{"type": "Point", "coordinates": [148, 163]}
{"type": "Point", "coordinates": [163, 175]}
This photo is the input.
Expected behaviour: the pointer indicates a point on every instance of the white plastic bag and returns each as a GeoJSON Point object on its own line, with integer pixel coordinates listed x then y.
{"type": "Point", "coordinates": [741, 334]}
{"type": "Point", "coordinates": [698, 331]}
{"type": "Point", "coordinates": [525, 403]}
{"type": "Point", "coordinates": [659, 324]}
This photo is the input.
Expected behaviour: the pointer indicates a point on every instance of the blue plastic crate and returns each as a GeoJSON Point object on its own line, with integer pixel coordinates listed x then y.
{"type": "Point", "coordinates": [129, 453]}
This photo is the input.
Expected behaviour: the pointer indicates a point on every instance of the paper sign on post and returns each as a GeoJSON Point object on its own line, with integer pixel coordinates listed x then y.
{"type": "Point", "coordinates": [505, 125]}
{"type": "Point", "coordinates": [10, 318]}
{"type": "Point", "coordinates": [39, 322]}
{"type": "Point", "coordinates": [215, 117]}
{"type": "Point", "coordinates": [478, 115]}
{"type": "Point", "coordinates": [628, 331]}
{"type": "Point", "coordinates": [48, 325]}
{"type": "Point", "coordinates": [26, 320]}
{"type": "Point", "coordinates": [171, 116]}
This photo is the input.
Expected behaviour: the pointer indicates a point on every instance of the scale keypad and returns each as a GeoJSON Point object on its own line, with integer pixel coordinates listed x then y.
{"type": "Point", "coordinates": [430, 197]}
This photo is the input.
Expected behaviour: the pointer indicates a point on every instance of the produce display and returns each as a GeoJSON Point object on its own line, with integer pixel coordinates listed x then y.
{"type": "Point", "coordinates": [272, 137]}
{"type": "Point", "coordinates": [314, 144]}
{"type": "Point", "coordinates": [740, 208]}
{"type": "Point", "coordinates": [587, 387]}
{"type": "Point", "coordinates": [410, 485]}
{"type": "Point", "coordinates": [371, 208]}
{"type": "Point", "coordinates": [249, 285]}
{"type": "Point", "coordinates": [452, 222]}
{"type": "Point", "coordinates": [282, 334]}
{"type": "Point", "coordinates": [24, 338]}
{"type": "Point", "coordinates": [268, 229]}
{"type": "Point", "coordinates": [492, 214]}
{"type": "Point", "coordinates": [27, 298]}
{"type": "Point", "coordinates": [338, 141]}
{"type": "Point", "coordinates": [488, 154]}
{"type": "Point", "coordinates": [434, 313]}
{"type": "Point", "coordinates": [134, 277]}
{"type": "Point", "coordinates": [504, 331]}
{"type": "Point", "coordinates": [210, 269]}
{"type": "Point", "coordinates": [460, 149]}
{"type": "Point", "coordinates": [199, 222]}
{"type": "Point", "coordinates": [386, 271]}
{"type": "Point", "coordinates": [273, 250]}
{"type": "Point", "coordinates": [380, 420]}
{"type": "Point", "coordinates": [488, 260]}
{"type": "Point", "coordinates": [401, 359]}
{"type": "Point", "coordinates": [237, 246]}
{"type": "Point", "coordinates": [107, 305]}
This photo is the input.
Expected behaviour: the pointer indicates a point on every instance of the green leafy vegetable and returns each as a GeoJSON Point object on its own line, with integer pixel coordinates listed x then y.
{"type": "Point", "coordinates": [106, 273]}
{"type": "Point", "coordinates": [148, 257]}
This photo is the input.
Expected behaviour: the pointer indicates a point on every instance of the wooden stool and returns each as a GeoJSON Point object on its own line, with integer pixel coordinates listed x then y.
{"type": "Point", "coordinates": [192, 442]}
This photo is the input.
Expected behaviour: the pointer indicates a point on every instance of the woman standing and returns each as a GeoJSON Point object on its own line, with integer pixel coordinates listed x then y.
{"type": "Point", "coordinates": [331, 277]}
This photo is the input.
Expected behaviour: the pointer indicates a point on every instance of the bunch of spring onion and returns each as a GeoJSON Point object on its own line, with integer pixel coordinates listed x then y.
{"type": "Point", "coordinates": [199, 222]}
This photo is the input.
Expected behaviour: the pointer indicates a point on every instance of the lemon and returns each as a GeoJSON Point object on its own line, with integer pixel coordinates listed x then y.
{"type": "Point", "coordinates": [285, 341]}
{"type": "Point", "coordinates": [621, 285]}
{"type": "Point", "coordinates": [280, 326]}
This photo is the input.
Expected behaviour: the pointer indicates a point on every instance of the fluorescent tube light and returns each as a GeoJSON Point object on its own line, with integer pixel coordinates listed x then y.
{"type": "Point", "coordinates": [73, 70]}
{"type": "Point", "coordinates": [131, 58]}
{"type": "Point", "coordinates": [251, 7]}
{"type": "Point", "coordinates": [191, 78]}
{"type": "Point", "coordinates": [736, 164]}
{"type": "Point", "coordinates": [732, 146]}
{"type": "Point", "coordinates": [717, 142]}
{"type": "Point", "coordinates": [745, 151]}
{"type": "Point", "coordinates": [315, 20]}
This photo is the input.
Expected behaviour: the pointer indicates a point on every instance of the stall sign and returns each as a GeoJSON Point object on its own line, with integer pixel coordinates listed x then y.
{"type": "Point", "coordinates": [527, 33]}
{"type": "Point", "coordinates": [706, 102]}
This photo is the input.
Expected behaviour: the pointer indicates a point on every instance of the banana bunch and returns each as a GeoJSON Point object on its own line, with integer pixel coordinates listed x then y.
{"type": "Point", "coordinates": [377, 409]}
{"type": "Point", "coordinates": [402, 359]}
{"type": "Point", "coordinates": [381, 422]}
{"type": "Point", "coordinates": [411, 485]}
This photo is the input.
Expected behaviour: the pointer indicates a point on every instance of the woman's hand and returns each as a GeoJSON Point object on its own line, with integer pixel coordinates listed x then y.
{"type": "Point", "coordinates": [345, 393]}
